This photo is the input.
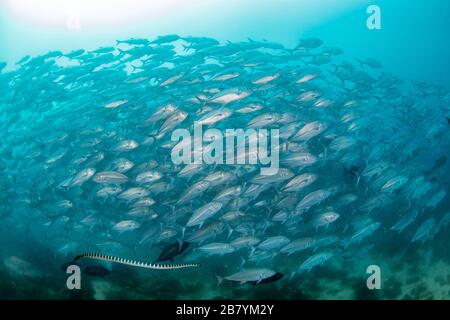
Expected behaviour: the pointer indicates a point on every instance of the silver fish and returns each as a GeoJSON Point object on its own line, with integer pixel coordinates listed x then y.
{"type": "Point", "coordinates": [203, 213]}
{"type": "Point", "coordinates": [82, 176]}
{"type": "Point", "coordinates": [110, 177]}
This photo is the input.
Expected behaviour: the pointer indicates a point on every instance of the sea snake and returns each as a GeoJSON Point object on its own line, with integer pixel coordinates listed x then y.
{"type": "Point", "coordinates": [134, 263]}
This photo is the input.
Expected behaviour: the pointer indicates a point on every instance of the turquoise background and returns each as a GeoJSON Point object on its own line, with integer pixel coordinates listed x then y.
{"type": "Point", "coordinates": [413, 42]}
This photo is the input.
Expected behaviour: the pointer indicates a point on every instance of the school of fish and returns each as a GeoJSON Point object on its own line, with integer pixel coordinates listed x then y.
{"type": "Point", "coordinates": [85, 154]}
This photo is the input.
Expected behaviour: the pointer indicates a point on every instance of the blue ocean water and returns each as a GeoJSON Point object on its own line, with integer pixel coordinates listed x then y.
{"type": "Point", "coordinates": [85, 148]}
{"type": "Point", "coordinates": [412, 43]}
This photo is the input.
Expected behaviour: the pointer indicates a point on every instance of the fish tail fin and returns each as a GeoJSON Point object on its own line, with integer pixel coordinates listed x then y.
{"type": "Point", "coordinates": [361, 63]}
{"type": "Point", "coordinates": [409, 202]}
{"type": "Point", "coordinates": [243, 261]}
{"type": "Point", "coordinates": [236, 171]}
{"type": "Point", "coordinates": [121, 51]}
{"type": "Point", "coordinates": [172, 208]}
{"type": "Point", "coordinates": [292, 276]}
{"type": "Point", "coordinates": [345, 243]}
{"type": "Point", "coordinates": [133, 67]}
{"type": "Point", "coordinates": [230, 231]}
{"type": "Point", "coordinates": [325, 152]}
{"type": "Point", "coordinates": [180, 244]}
{"type": "Point", "coordinates": [345, 228]}
{"type": "Point", "coordinates": [379, 99]}
{"type": "Point", "coordinates": [219, 280]}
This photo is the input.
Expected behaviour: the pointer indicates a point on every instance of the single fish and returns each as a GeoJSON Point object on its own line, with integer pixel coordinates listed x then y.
{"type": "Point", "coordinates": [135, 263]}
{"type": "Point", "coordinates": [254, 276]}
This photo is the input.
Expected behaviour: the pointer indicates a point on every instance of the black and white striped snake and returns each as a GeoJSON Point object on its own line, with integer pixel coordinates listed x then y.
{"type": "Point", "coordinates": [134, 263]}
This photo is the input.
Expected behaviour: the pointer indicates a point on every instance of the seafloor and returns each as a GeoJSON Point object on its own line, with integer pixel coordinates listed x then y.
{"type": "Point", "coordinates": [408, 271]}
